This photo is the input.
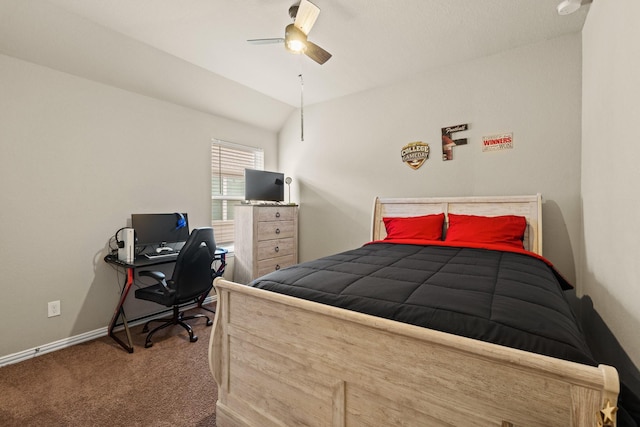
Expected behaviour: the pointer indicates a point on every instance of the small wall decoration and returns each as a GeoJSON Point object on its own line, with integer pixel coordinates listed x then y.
{"type": "Point", "coordinates": [503, 141]}
{"type": "Point", "coordinates": [448, 142]}
{"type": "Point", "coordinates": [415, 153]}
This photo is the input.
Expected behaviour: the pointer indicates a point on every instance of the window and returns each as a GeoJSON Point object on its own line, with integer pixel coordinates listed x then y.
{"type": "Point", "coordinates": [228, 162]}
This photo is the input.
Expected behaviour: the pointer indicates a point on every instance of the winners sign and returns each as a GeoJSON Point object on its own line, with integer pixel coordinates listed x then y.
{"type": "Point", "coordinates": [497, 142]}
{"type": "Point", "coordinates": [415, 153]}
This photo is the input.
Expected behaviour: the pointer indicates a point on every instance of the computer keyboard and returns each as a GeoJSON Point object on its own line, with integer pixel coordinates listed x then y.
{"type": "Point", "coordinates": [156, 255]}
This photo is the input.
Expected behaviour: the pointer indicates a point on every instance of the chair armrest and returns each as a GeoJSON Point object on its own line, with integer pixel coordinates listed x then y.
{"type": "Point", "coordinates": [158, 275]}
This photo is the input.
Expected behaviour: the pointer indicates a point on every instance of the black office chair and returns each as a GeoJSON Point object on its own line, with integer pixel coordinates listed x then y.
{"type": "Point", "coordinates": [192, 277]}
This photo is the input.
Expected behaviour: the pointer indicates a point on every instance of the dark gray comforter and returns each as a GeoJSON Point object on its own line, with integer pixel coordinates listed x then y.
{"type": "Point", "coordinates": [506, 298]}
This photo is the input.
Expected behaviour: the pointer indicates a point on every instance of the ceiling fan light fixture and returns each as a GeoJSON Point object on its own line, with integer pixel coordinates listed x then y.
{"type": "Point", "coordinates": [295, 40]}
{"type": "Point", "coordinates": [295, 46]}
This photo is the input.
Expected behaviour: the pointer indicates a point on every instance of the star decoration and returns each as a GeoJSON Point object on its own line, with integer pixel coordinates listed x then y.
{"type": "Point", "coordinates": [607, 415]}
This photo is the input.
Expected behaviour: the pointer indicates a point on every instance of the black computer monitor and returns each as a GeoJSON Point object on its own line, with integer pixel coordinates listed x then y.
{"type": "Point", "coordinates": [262, 185]}
{"type": "Point", "coordinates": [154, 230]}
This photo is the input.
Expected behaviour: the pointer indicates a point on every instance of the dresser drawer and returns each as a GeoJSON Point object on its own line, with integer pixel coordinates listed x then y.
{"type": "Point", "coordinates": [273, 264]}
{"type": "Point", "coordinates": [268, 230]}
{"type": "Point", "coordinates": [276, 213]}
{"type": "Point", "coordinates": [274, 248]}
{"type": "Point", "coordinates": [266, 240]}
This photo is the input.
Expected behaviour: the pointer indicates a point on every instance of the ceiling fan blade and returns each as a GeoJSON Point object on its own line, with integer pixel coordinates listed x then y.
{"type": "Point", "coordinates": [317, 53]}
{"type": "Point", "coordinates": [306, 16]}
{"type": "Point", "coordinates": [266, 41]}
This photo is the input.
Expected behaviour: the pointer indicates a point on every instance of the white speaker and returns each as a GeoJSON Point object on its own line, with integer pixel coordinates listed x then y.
{"type": "Point", "coordinates": [126, 246]}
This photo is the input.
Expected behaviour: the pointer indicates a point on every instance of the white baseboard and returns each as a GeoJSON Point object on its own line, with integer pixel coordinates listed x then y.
{"type": "Point", "coordinates": [48, 348]}
{"type": "Point", "coordinates": [76, 339]}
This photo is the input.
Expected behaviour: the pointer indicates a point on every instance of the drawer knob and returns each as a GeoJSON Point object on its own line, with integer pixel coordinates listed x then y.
{"type": "Point", "coordinates": [277, 231]}
{"type": "Point", "coordinates": [277, 266]}
{"type": "Point", "coordinates": [277, 249]}
{"type": "Point", "coordinates": [277, 214]}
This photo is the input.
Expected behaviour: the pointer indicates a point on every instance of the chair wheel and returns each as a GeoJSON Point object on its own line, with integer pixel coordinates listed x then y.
{"type": "Point", "coordinates": [209, 322]}
{"type": "Point", "coordinates": [148, 344]}
{"type": "Point", "coordinates": [193, 338]}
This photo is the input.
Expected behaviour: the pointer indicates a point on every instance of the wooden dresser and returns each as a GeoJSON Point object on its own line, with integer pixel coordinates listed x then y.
{"type": "Point", "coordinates": [266, 240]}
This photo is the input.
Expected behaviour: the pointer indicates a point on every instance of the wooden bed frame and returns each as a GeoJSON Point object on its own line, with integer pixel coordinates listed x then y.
{"type": "Point", "coordinates": [284, 361]}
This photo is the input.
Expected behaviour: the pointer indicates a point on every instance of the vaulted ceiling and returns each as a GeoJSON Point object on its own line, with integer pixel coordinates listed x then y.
{"type": "Point", "coordinates": [195, 52]}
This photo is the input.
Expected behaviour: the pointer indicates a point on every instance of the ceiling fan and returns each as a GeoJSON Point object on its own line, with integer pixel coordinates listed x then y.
{"type": "Point", "coordinates": [295, 39]}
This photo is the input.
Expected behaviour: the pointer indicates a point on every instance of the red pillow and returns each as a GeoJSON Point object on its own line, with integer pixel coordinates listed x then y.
{"type": "Point", "coordinates": [503, 230]}
{"type": "Point", "coordinates": [426, 227]}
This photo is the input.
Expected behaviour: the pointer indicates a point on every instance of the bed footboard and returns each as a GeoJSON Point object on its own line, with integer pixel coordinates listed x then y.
{"type": "Point", "coordinates": [282, 361]}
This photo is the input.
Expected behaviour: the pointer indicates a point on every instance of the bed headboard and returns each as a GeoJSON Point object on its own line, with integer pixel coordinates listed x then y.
{"type": "Point", "coordinates": [529, 207]}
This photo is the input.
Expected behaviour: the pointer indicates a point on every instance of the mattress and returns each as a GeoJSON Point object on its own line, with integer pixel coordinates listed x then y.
{"type": "Point", "coordinates": [508, 298]}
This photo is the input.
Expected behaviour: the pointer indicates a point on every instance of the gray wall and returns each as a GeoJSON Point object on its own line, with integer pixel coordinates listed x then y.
{"type": "Point", "coordinates": [351, 151]}
{"type": "Point", "coordinates": [76, 159]}
{"type": "Point", "coordinates": [610, 172]}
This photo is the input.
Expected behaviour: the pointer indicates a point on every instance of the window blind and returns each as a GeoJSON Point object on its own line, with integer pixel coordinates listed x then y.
{"type": "Point", "coordinates": [228, 162]}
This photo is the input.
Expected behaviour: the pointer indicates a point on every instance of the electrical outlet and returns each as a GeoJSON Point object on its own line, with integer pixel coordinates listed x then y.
{"type": "Point", "coordinates": [54, 308]}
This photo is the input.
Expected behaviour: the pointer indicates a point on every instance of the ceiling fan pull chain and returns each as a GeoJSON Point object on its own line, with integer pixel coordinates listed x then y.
{"type": "Point", "coordinates": [301, 108]}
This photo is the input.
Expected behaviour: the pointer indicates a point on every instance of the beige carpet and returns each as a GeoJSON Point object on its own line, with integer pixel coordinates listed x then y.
{"type": "Point", "coordinates": [98, 383]}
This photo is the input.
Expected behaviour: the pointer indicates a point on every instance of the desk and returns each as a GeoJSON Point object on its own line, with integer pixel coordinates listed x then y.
{"type": "Point", "coordinates": [143, 263]}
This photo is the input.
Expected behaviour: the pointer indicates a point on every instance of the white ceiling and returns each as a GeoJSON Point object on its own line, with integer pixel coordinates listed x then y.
{"type": "Point", "coordinates": [373, 42]}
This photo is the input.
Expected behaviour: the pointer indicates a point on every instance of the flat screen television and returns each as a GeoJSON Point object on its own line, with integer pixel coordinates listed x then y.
{"type": "Point", "coordinates": [159, 229]}
{"type": "Point", "coordinates": [263, 186]}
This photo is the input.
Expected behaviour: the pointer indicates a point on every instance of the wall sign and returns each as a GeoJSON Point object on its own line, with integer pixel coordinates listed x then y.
{"type": "Point", "coordinates": [503, 141]}
{"type": "Point", "coordinates": [415, 153]}
{"type": "Point", "coordinates": [448, 142]}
